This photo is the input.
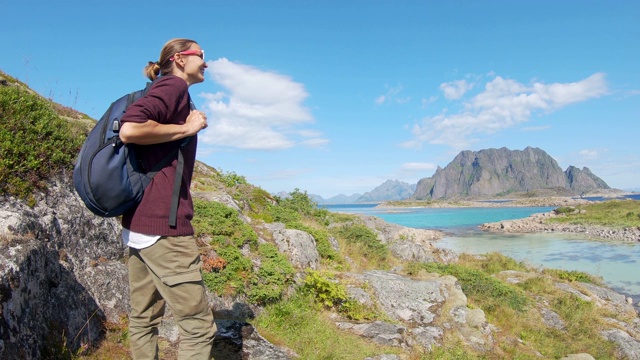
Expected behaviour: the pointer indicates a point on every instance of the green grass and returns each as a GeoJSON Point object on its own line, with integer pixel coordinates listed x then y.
{"type": "Point", "coordinates": [611, 213]}
{"type": "Point", "coordinates": [487, 292]}
{"type": "Point", "coordinates": [302, 326]}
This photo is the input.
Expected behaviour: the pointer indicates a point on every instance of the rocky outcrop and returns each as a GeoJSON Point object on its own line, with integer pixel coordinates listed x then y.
{"type": "Point", "coordinates": [62, 274]}
{"type": "Point", "coordinates": [409, 244]}
{"type": "Point", "coordinates": [426, 308]}
{"type": "Point", "coordinates": [298, 245]}
{"type": "Point", "coordinates": [625, 335]}
{"type": "Point", "coordinates": [63, 277]}
{"type": "Point", "coordinates": [498, 172]}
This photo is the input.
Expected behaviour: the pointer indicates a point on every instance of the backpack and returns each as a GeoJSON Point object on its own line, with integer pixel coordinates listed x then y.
{"type": "Point", "coordinates": [108, 175]}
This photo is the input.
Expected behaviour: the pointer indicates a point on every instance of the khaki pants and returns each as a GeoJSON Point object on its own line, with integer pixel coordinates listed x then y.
{"type": "Point", "coordinates": [169, 271]}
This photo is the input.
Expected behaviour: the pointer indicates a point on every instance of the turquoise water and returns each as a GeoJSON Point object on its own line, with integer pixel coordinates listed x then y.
{"type": "Point", "coordinates": [617, 263]}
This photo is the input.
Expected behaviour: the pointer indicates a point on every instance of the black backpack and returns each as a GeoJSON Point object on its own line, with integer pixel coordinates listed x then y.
{"type": "Point", "coordinates": [108, 175]}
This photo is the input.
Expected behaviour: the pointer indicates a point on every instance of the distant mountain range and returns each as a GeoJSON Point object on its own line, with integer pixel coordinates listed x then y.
{"type": "Point", "coordinates": [482, 174]}
{"type": "Point", "coordinates": [388, 191]}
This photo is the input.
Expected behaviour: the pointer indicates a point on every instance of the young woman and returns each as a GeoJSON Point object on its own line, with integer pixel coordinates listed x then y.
{"type": "Point", "coordinates": [164, 260]}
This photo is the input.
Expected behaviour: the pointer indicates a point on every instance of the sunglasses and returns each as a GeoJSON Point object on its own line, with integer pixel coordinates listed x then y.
{"type": "Point", "coordinates": [199, 53]}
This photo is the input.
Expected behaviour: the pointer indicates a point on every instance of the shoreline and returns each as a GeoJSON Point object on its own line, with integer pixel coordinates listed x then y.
{"type": "Point", "coordinates": [537, 201]}
{"type": "Point", "coordinates": [536, 223]}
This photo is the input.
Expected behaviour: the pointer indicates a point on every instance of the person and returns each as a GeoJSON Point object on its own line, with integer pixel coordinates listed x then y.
{"type": "Point", "coordinates": [164, 261]}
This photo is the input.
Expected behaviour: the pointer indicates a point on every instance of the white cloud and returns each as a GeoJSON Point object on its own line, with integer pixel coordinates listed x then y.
{"type": "Point", "coordinates": [455, 89]}
{"type": "Point", "coordinates": [256, 110]}
{"type": "Point", "coordinates": [536, 128]}
{"type": "Point", "coordinates": [430, 100]}
{"type": "Point", "coordinates": [392, 96]}
{"type": "Point", "coordinates": [418, 166]}
{"type": "Point", "coordinates": [589, 154]}
{"type": "Point", "coordinates": [502, 104]}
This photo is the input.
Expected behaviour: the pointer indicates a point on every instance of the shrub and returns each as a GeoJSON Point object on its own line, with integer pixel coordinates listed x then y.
{"type": "Point", "coordinates": [572, 275]}
{"type": "Point", "coordinates": [231, 179]}
{"type": "Point", "coordinates": [330, 293]}
{"type": "Point", "coordinates": [34, 142]}
{"type": "Point", "coordinates": [222, 223]}
{"type": "Point", "coordinates": [273, 277]}
{"type": "Point", "coordinates": [321, 236]}
{"type": "Point", "coordinates": [364, 237]}
{"type": "Point", "coordinates": [564, 210]}
{"type": "Point", "coordinates": [235, 275]}
{"type": "Point", "coordinates": [489, 292]}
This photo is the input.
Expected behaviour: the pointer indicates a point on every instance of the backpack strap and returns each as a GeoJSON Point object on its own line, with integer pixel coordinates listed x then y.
{"type": "Point", "coordinates": [175, 196]}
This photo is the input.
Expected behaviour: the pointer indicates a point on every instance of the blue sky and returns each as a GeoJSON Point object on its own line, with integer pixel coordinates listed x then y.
{"type": "Point", "coordinates": [336, 97]}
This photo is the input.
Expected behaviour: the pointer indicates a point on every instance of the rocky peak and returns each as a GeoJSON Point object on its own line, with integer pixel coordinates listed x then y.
{"type": "Point", "coordinates": [499, 172]}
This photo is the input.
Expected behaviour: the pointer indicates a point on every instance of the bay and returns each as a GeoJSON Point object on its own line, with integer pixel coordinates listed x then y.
{"type": "Point", "coordinates": [617, 263]}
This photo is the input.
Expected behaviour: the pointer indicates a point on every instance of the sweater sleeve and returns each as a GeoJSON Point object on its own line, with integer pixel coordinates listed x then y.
{"type": "Point", "coordinates": [163, 100]}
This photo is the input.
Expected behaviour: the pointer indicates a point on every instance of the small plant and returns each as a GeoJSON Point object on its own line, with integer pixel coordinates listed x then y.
{"type": "Point", "coordinates": [573, 275]}
{"type": "Point", "coordinates": [275, 274]}
{"type": "Point", "coordinates": [234, 277]}
{"type": "Point", "coordinates": [326, 290]}
{"type": "Point", "coordinates": [231, 179]}
{"type": "Point", "coordinates": [222, 223]}
{"type": "Point", "coordinates": [330, 293]}
{"type": "Point", "coordinates": [366, 239]}
{"type": "Point", "coordinates": [488, 292]}
{"type": "Point", "coordinates": [565, 210]}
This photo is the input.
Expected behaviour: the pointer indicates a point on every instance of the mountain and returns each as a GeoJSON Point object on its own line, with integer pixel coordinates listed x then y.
{"type": "Point", "coordinates": [338, 199]}
{"type": "Point", "coordinates": [390, 190]}
{"type": "Point", "coordinates": [499, 172]}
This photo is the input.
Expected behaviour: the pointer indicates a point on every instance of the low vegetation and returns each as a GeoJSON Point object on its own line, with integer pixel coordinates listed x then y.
{"type": "Point", "coordinates": [611, 213]}
{"type": "Point", "coordinates": [36, 142]}
{"type": "Point", "coordinates": [241, 260]}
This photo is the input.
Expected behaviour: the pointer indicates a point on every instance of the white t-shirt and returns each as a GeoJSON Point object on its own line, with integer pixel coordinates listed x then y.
{"type": "Point", "coordinates": [137, 240]}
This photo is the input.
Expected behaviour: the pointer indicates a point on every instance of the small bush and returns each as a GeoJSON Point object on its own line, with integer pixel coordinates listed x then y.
{"type": "Point", "coordinates": [34, 142]}
{"type": "Point", "coordinates": [222, 222]}
{"type": "Point", "coordinates": [364, 237]}
{"type": "Point", "coordinates": [330, 293]}
{"type": "Point", "coordinates": [486, 291]}
{"type": "Point", "coordinates": [234, 277]}
{"type": "Point", "coordinates": [564, 210]}
{"type": "Point", "coordinates": [275, 274]}
{"type": "Point", "coordinates": [573, 275]}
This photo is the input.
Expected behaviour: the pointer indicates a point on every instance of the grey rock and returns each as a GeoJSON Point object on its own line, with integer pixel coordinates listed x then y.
{"type": "Point", "coordinates": [299, 245]}
{"type": "Point", "coordinates": [628, 346]}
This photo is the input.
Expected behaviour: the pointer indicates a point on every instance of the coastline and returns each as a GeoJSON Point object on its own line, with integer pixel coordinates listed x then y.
{"type": "Point", "coordinates": [536, 223]}
{"type": "Point", "coordinates": [517, 202]}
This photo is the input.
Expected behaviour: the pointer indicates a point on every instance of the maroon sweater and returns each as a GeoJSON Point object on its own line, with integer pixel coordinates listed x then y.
{"type": "Point", "coordinates": [167, 102]}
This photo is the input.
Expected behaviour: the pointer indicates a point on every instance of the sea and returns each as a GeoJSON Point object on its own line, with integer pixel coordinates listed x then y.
{"type": "Point", "coordinates": [617, 263]}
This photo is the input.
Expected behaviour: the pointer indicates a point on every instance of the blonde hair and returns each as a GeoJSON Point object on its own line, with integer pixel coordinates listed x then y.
{"type": "Point", "coordinates": [164, 66]}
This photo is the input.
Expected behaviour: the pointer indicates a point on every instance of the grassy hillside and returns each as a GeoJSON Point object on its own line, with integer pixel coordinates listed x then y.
{"type": "Point", "coordinates": [40, 139]}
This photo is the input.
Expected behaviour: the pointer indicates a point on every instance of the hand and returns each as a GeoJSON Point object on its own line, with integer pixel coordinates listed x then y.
{"type": "Point", "coordinates": [197, 120]}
